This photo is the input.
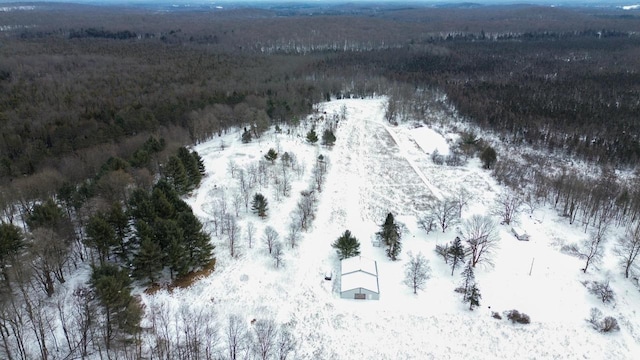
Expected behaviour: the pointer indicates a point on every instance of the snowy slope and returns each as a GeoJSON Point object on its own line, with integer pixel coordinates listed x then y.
{"type": "Point", "coordinates": [375, 168]}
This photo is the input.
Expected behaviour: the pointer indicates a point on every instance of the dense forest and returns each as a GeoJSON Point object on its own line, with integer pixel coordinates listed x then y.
{"type": "Point", "coordinates": [98, 106]}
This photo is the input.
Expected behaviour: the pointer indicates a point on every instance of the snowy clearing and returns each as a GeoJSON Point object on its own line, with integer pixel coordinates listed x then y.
{"type": "Point", "coordinates": [373, 169]}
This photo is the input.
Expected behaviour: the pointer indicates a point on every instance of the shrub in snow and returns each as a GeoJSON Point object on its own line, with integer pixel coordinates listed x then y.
{"type": "Point", "coordinates": [602, 290]}
{"type": "Point", "coordinates": [608, 324]}
{"type": "Point", "coordinates": [517, 317]}
{"type": "Point", "coordinates": [496, 315]}
{"type": "Point", "coordinates": [437, 158]}
{"type": "Point", "coordinates": [570, 249]}
{"type": "Point", "coordinates": [443, 250]}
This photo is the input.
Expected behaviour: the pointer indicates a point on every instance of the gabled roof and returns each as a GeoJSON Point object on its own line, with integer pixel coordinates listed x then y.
{"type": "Point", "coordinates": [359, 272]}
{"type": "Point", "coordinates": [359, 263]}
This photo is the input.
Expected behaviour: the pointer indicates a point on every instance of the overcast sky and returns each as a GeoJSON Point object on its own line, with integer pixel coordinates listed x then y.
{"type": "Point", "coordinates": [609, 2]}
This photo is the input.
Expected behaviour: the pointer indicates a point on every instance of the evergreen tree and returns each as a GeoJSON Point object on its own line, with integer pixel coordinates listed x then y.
{"type": "Point", "coordinates": [328, 137]}
{"type": "Point", "coordinates": [474, 296]}
{"type": "Point", "coordinates": [178, 258]}
{"type": "Point", "coordinates": [162, 207]}
{"type": "Point", "coordinates": [191, 167]}
{"type": "Point", "coordinates": [347, 246]}
{"type": "Point", "coordinates": [140, 206]}
{"type": "Point", "coordinates": [48, 214]}
{"type": "Point", "coordinates": [259, 205]}
{"type": "Point", "coordinates": [119, 221]}
{"type": "Point", "coordinates": [176, 175]}
{"type": "Point", "coordinates": [312, 137]}
{"type": "Point", "coordinates": [456, 254]}
{"type": "Point", "coordinates": [122, 314]}
{"type": "Point", "coordinates": [246, 136]}
{"type": "Point", "coordinates": [172, 196]}
{"type": "Point", "coordinates": [271, 155]}
{"type": "Point", "coordinates": [468, 281]}
{"type": "Point", "coordinates": [196, 241]}
{"type": "Point", "coordinates": [165, 231]}
{"type": "Point", "coordinates": [200, 163]}
{"type": "Point", "coordinates": [488, 157]}
{"type": "Point", "coordinates": [390, 235]}
{"type": "Point", "coordinates": [11, 242]}
{"type": "Point", "coordinates": [147, 262]}
{"type": "Point", "coordinates": [101, 236]}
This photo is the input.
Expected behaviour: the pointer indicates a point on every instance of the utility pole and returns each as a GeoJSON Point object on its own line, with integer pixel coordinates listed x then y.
{"type": "Point", "coordinates": [531, 269]}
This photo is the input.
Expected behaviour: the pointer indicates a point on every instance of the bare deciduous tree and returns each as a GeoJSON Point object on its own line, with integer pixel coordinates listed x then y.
{"type": "Point", "coordinates": [278, 253]}
{"type": "Point", "coordinates": [628, 247]}
{"type": "Point", "coordinates": [232, 167]}
{"type": "Point", "coordinates": [244, 188]}
{"type": "Point", "coordinates": [251, 230]}
{"type": "Point", "coordinates": [233, 232]}
{"type": "Point", "coordinates": [592, 248]}
{"type": "Point", "coordinates": [236, 336]}
{"type": "Point", "coordinates": [237, 202]}
{"type": "Point", "coordinates": [265, 333]}
{"type": "Point", "coordinates": [293, 234]}
{"type": "Point", "coordinates": [305, 208]}
{"type": "Point", "coordinates": [481, 236]}
{"type": "Point", "coordinates": [508, 205]}
{"type": "Point", "coordinates": [286, 343]}
{"type": "Point", "coordinates": [462, 198]}
{"type": "Point", "coordinates": [445, 212]}
{"type": "Point", "coordinates": [270, 238]}
{"type": "Point", "coordinates": [49, 258]}
{"type": "Point", "coordinates": [416, 272]}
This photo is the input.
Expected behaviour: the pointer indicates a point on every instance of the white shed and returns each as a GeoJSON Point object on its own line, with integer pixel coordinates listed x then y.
{"type": "Point", "coordinates": [359, 279]}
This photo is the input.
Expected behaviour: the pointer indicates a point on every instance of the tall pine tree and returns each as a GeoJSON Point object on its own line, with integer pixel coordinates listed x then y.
{"type": "Point", "coordinates": [456, 254]}
{"type": "Point", "coordinates": [191, 167]}
{"type": "Point", "coordinates": [176, 175]}
{"type": "Point", "coordinates": [147, 262]}
{"type": "Point", "coordinates": [390, 235]}
{"type": "Point", "coordinates": [101, 236]}
{"type": "Point", "coordinates": [197, 243]}
{"type": "Point", "coordinates": [468, 281]}
{"type": "Point", "coordinates": [474, 297]}
{"type": "Point", "coordinates": [122, 314]}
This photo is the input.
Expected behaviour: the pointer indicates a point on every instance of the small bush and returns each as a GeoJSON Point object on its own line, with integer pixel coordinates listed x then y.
{"type": "Point", "coordinates": [460, 290]}
{"type": "Point", "coordinates": [437, 158]}
{"type": "Point", "coordinates": [570, 249]}
{"type": "Point", "coordinates": [608, 324]}
{"type": "Point", "coordinates": [602, 290]}
{"type": "Point", "coordinates": [495, 315]}
{"type": "Point", "coordinates": [517, 317]}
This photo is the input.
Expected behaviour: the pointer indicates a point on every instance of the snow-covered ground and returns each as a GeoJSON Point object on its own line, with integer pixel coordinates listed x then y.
{"type": "Point", "coordinates": [375, 168]}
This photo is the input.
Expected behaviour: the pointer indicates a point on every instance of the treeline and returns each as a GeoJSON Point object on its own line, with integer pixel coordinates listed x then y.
{"type": "Point", "coordinates": [572, 95]}
{"type": "Point", "coordinates": [101, 33]}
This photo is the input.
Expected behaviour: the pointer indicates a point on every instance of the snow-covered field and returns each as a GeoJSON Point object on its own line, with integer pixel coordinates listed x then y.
{"type": "Point", "coordinates": [375, 168]}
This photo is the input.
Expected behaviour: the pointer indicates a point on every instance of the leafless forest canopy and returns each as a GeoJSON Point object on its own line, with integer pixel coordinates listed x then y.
{"type": "Point", "coordinates": [75, 78]}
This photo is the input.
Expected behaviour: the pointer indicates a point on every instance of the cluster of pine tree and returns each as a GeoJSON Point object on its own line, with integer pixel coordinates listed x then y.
{"type": "Point", "coordinates": [184, 171]}
{"type": "Point", "coordinates": [156, 230]}
{"type": "Point", "coordinates": [152, 232]}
